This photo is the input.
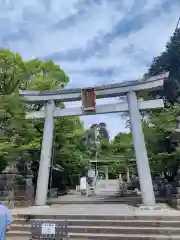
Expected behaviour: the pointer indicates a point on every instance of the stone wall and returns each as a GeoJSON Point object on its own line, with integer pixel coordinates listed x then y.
{"type": "Point", "coordinates": [15, 190]}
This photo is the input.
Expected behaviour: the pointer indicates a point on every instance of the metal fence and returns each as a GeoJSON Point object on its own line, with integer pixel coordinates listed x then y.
{"type": "Point", "coordinates": [46, 230]}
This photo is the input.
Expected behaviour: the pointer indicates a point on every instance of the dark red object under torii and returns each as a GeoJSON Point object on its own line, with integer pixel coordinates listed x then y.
{"type": "Point", "coordinates": [89, 99]}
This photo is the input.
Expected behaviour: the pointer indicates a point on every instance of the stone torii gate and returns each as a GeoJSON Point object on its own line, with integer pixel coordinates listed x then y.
{"type": "Point", "coordinates": [133, 106]}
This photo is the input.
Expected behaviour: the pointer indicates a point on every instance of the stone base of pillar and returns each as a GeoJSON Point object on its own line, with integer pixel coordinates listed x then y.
{"type": "Point", "coordinates": [175, 203]}
{"type": "Point", "coordinates": [154, 207]}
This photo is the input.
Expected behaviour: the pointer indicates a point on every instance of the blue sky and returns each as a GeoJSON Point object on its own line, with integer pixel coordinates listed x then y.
{"type": "Point", "coordinates": [94, 41]}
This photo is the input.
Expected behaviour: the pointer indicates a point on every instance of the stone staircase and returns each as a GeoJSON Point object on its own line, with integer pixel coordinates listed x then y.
{"type": "Point", "coordinates": [106, 227]}
{"type": "Point", "coordinates": [107, 187]}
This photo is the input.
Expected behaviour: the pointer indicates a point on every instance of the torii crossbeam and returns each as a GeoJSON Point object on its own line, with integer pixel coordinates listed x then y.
{"type": "Point", "coordinates": [133, 106]}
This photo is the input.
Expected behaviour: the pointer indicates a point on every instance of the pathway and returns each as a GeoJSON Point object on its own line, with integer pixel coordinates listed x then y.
{"type": "Point", "coordinates": [95, 209]}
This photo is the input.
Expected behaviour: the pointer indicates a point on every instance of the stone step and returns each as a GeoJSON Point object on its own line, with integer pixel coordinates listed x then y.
{"type": "Point", "coordinates": [99, 201]}
{"type": "Point", "coordinates": [14, 233]}
{"type": "Point", "coordinates": [121, 223]}
{"type": "Point", "coordinates": [86, 236]}
{"type": "Point", "coordinates": [100, 217]}
{"type": "Point", "coordinates": [102, 227]}
{"type": "Point", "coordinates": [121, 236]}
{"type": "Point", "coordinates": [16, 238]}
{"type": "Point", "coordinates": [110, 229]}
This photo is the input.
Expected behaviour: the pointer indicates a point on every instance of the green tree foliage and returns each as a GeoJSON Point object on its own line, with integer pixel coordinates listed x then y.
{"type": "Point", "coordinates": [18, 135]}
{"type": "Point", "coordinates": [44, 76]}
{"type": "Point", "coordinates": [95, 138]}
{"type": "Point", "coordinates": [169, 60]}
{"type": "Point", "coordinates": [12, 72]}
{"type": "Point", "coordinates": [158, 130]}
{"type": "Point", "coordinates": [160, 125]}
{"type": "Point", "coordinates": [68, 134]}
{"type": "Point", "coordinates": [122, 150]}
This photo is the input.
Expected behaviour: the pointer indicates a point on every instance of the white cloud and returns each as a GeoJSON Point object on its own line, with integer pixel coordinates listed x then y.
{"type": "Point", "coordinates": [128, 55]}
{"type": "Point", "coordinates": [45, 41]}
{"type": "Point", "coordinates": [147, 43]}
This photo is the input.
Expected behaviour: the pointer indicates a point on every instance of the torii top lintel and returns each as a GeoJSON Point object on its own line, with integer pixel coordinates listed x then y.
{"type": "Point", "coordinates": [104, 91]}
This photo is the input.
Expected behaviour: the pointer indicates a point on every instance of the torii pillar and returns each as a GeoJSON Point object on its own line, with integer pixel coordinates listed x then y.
{"type": "Point", "coordinates": [142, 161]}
{"type": "Point", "coordinates": [46, 153]}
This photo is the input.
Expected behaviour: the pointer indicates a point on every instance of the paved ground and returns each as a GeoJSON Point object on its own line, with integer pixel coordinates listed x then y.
{"type": "Point", "coordinates": [93, 209]}
{"type": "Point", "coordinates": [76, 197]}
{"type": "Point", "coordinates": [120, 208]}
